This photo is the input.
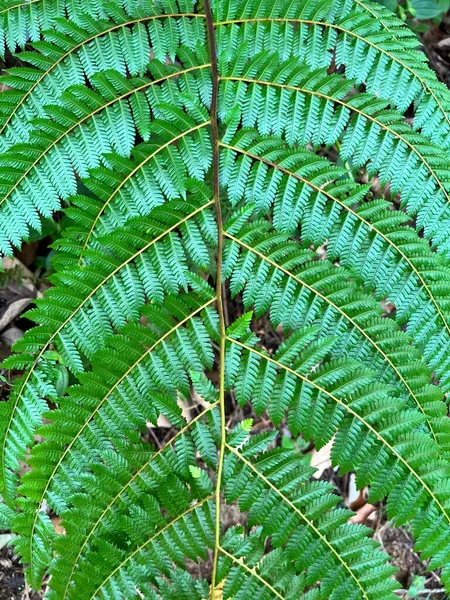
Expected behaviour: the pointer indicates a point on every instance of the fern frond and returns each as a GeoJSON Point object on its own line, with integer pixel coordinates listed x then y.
{"type": "Point", "coordinates": [272, 272]}
{"type": "Point", "coordinates": [323, 109]}
{"type": "Point", "coordinates": [374, 435]}
{"type": "Point", "coordinates": [274, 486]}
{"type": "Point", "coordinates": [181, 140]}
{"type": "Point", "coordinates": [88, 303]}
{"type": "Point", "coordinates": [134, 365]}
{"type": "Point", "coordinates": [21, 21]}
{"type": "Point", "coordinates": [134, 187]}
{"type": "Point", "coordinates": [368, 238]}
{"type": "Point", "coordinates": [112, 498]}
{"type": "Point", "coordinates": [84, 126]}
{"type": "Point", "coordinates": [390, 67]}
{"type": "Point", "coordinates": [73, 50]}
{"type": "Point", "coordinates": [24, 22]}
{"type": "Point", "coordinates": [147, 259]}
{"type": "Point", "coordinates": [275, 490]}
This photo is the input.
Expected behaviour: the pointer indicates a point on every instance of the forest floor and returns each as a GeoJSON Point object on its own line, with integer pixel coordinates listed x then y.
{"type": "Point", "coordinates": [21, 287]}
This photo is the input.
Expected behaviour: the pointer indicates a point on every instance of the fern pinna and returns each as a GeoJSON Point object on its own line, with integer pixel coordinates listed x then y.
{"type": "Point", "coordinates": [216, 164]}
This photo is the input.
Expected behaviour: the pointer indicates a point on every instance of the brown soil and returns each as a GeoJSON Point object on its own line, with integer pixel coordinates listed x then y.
{"type": "Point", "coordinates": [12, 582]}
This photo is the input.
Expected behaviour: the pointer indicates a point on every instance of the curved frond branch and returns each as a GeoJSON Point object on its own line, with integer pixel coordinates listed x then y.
{"type": "Point", "coordinates": [101, 403]}
{"type": "Point", "coordinates": [365, 6]}
{"type": "Point", "coordinates": [98, 34]}
{"type": "Point", "coordinates": [132, 173]}
{"type": "Point", "coordinates": [336, 307]}
{"type": "Point", "coordinates": [366, 115]}
{"type": "Point", "coordinates": [18, 5]}
{"type": "Point", "coordinates": [357, 416]}
{"type": "Point", "coordinates": [126, 486]}
{"type": "Point", "coordinates": [29, 373]}
{"type": "Point", "coordinates": [352, 34]}
{"type": "Point", "coordinates": [93, 113]}
{"type": "Point", "coordinates": [367, 223]}
{"type": "Point", "coordinates": [25, 21]}
{"type": "Point", "coordinates": [250, 570]}
{"type": "Point", "coordinates": [149, 541]}
{"type": "Point", "coordinates": [292, 506]}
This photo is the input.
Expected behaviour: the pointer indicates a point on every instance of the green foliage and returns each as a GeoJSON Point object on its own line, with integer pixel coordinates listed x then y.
{"type": "Point", "coordinates": [418, 9]}
{"type": "Point", "coordinates": [214, 172]}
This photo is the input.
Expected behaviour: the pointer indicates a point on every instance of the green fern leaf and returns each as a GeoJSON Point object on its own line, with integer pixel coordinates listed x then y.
{"type": "Point", "coordinates": [217, 278]}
